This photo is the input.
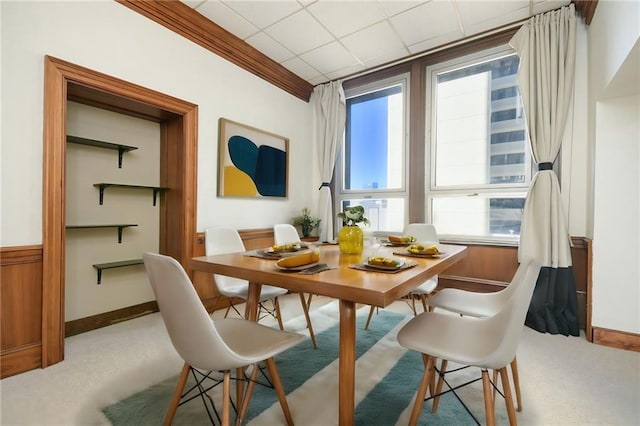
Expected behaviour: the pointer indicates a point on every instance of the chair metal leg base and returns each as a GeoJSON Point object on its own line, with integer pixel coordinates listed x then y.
{"type": "Point", "coordinates": [204, 382]}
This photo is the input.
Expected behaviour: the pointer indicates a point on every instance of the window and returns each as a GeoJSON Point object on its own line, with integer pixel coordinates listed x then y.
{"type": "Point", "coordinates": [480, 164]}
{"type": "Point", "coordinates": [373, 157]}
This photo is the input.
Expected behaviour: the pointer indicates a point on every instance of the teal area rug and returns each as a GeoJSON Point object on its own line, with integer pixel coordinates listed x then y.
{"type": "Point", "coordinates": [387, 377]}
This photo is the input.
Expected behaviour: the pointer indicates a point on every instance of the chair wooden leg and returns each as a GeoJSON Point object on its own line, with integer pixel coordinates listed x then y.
{"type": "Point", "coordinates": [305, 309]}
{"type": "Point", "coordinates": [436, 399]}
{"type": "Point", "coordinates": [366, 326]}
{"type": "Point", "coordinates": [277, 385]}
{"type": "Point", "coordinates": [177, 393]}
{"type": "Point", "coordinates": [495, 381]}
{"type": "Point", "coordinates": [413, 304]}
{"type": "Point", "coordinates": [516, 383]}
{"type": "Point", "coordinates": [309, 301]}
{"type": "Point", "coordinates": [226, 398]}
{"type": "Point", "coordinates": [488, 399]}
{"type": "Point", "coordinates": [422, 391]}
{"type": "Point", "coordinates": [423, 299]}
{"type": "Point", "coordinates": [239, 385]}
{"type": "Point", "coordinates": [247, 396]}
{"type": "Point", "coordinates": [508, 397]}
{"type": "Point", "coordinates": [276, 305]}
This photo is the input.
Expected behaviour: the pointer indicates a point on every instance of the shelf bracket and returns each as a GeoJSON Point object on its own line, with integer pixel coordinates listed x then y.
{"type": "Point", "coordinates": [121, 150]}
{"type": "Point", "coordinates": [155, 195]}
{"type": "Point", "coordinates": [101, 193]}
{"type": "Point", "coordinates": [99, 276]}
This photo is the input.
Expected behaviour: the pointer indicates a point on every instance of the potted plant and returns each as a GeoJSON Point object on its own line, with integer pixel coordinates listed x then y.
{"type": "Point", "coordinates": [306, 222]}
{"type": "Point", "coordinates": [351, 237]}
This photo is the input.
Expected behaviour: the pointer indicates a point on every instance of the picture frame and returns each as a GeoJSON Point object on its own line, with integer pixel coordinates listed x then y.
{"type": "Point", "coordinates": [252, 163]}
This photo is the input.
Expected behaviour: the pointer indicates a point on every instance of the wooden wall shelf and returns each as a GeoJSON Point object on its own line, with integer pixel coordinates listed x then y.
{"type": "Point", "coordinates": [101, 144]}
{"type": "Point", "coordinates": [110, 265]}
{"type": "Point", "coordinates": [120, 227]}
{"type": "Point", "coordinates": [103, 185]}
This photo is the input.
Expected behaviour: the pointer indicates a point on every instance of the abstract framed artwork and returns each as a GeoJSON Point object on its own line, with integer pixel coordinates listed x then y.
{"type": "Point", "coordinates": [251, 162]}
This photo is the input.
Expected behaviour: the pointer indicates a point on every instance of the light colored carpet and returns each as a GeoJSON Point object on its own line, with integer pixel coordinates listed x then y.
{"type": "Point", "coordinates": [565, 380]}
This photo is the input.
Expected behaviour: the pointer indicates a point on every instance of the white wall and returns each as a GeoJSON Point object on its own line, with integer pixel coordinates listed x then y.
{"type": "Point", "coordinates": [86, 165]}
{"type": "Point", "coordinates": [614, 111]}
{"type": "Point", "coordinates": [110, 38]}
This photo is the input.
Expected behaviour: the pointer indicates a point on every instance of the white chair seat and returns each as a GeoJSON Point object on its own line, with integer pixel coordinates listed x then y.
{"type": "Point", "coordinates": [240, 290]}
{"type": "Point", "coordinates": [426, 287]}
{"type": "Point", "coordinates": [466, 340]}
{"type": "Point", "coordinates": [253, 343]}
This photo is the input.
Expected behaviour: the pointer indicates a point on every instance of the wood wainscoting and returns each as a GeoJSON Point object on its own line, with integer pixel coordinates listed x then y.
{"type": "Point", "coordinates": [485, 268]}
{"type": "Point", "coordinates": [20, 309]}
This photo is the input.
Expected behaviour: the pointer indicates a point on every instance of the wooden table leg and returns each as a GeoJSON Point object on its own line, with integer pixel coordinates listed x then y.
{"type": "Point", "coordinates": [250, 313]}
{"type": "Point", "coordinates": [347, 363]}
{"type": "Point", "coordinates": [253, 297]}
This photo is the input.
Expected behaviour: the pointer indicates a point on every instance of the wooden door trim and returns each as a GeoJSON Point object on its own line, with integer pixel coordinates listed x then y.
{"type": "Point", "coordinates": [65, 81]}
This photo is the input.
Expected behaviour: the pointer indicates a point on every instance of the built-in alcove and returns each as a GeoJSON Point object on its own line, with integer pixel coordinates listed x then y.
{"type": "Point", "coordinates": [104, 273]}
{"type": "Point", "coordinates": [177, 162]}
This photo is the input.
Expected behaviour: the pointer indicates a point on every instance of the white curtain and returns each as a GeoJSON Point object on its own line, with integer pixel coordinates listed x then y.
{"type": "Point", "coordinates": [546, 45]}
{"type": "Point", "coordinates": [330, 111]}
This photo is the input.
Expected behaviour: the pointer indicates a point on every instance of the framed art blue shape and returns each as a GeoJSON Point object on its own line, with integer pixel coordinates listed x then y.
{"type": "Point", "coordinates": [252, 163]}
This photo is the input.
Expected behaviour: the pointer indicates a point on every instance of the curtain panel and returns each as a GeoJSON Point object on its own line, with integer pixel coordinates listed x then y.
{"type": "Point", "coordinates": [546, 45]}
{"type": "Point", "coordinates": [330, 112]}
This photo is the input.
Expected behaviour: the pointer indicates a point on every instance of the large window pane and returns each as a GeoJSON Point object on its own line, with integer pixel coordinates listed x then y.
{"type": "Point", "coordinates": [374, 141]}
{"type": "Point", "coordinates": [485, 215]}
{"type": "Point", "coordinates": [480, 158]}
{"type": "Point", "coordinates": [480, 128]}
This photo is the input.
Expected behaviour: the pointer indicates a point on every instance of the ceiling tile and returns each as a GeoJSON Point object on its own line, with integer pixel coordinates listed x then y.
{"type": "Point", "coordinates": [301, 68]}
{"type": "Point", "coordinates": [346, 17]}
{"type": "Point", "coordinates": [193, 3]}
{"type": "Point", "coordinates": [394, 7]}
{"type": "Point", "coordinates": [472, 12]}
{"type": "Point", "coordinates": [476, 20]}
{"type": "Point", "coordinates": [382, 59]}
{"type": "Point", "coordinates": [377, 40]}
{"type": "Point", "coordinates": [329, 58]}
{"type": "Point", "coordinates": [345, 71]}
{"type": "Point", "coordinates": [426, 21]}
{"type": "Point", "coordinates": [434, 42]}
{"type": "Point", "coordinates": [299, 32]}
{"type": "Point", "coordinates": [541, 6]}
{"type": "Point", "coordinates": [227, 18]}
{"type": "Point", "coordinates": [263, 13]}
{"type": "Point", "coordinates": [270, 47]}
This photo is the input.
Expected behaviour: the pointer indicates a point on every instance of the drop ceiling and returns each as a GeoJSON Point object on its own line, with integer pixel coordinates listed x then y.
{"type": "Point", "coordinates": [323, 40]}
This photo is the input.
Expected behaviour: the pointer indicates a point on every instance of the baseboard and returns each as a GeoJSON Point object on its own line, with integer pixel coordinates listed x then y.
{"type": "Point", "coordinates": [20, 359]}
{"type": "Point", "coordinates": [93, 322]}
{"type": "Point", "coordinates": [616, 339]}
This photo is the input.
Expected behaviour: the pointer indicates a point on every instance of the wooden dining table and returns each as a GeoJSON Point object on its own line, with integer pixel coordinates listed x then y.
{"type": "Point", "coordinates": [345, 283]}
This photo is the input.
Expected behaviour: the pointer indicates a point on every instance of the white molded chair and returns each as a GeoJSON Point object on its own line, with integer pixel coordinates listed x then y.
{"type": "Point", "coordinates": [488, 343]}
{"type": "Point", "coordinates": [221, 240]}
{"type": "Point", "coordinates": [425, 233]}
{"type": "Point", "coordinates": [208, 345]}
{"type": "Point", "coordinates": [479, 305]}
{"type": "Point", "coordinates": [284, 233]}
